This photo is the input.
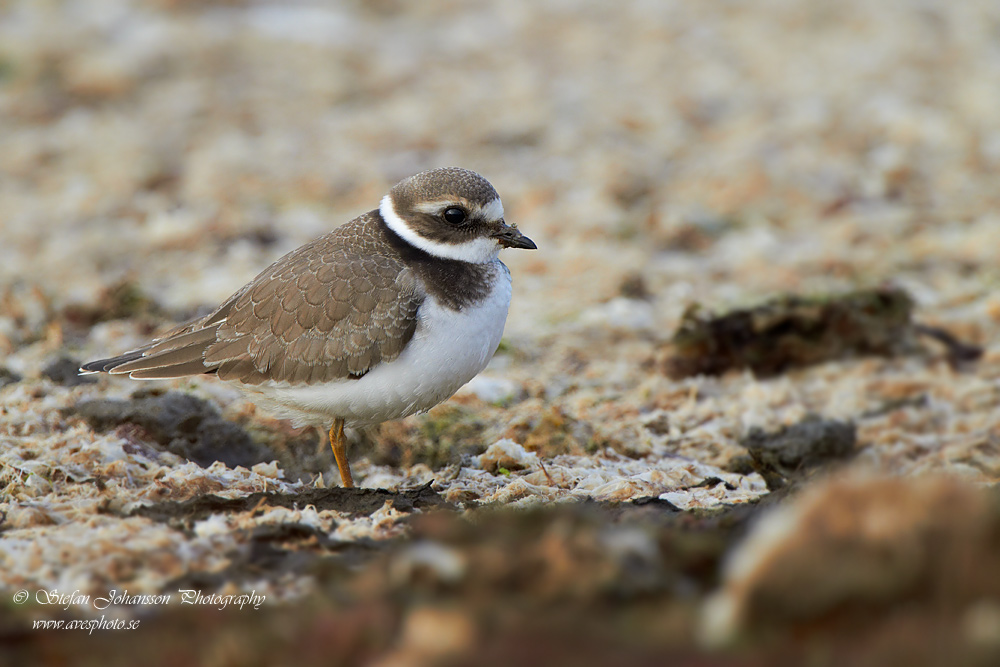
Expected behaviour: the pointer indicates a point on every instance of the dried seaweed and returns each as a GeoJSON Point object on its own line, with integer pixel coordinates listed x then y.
{"type": "Point", "coordinates": [792, 331]}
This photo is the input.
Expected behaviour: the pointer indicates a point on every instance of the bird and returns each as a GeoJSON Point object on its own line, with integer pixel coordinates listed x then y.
{"type": "Point", "coordinates": [383, 317]}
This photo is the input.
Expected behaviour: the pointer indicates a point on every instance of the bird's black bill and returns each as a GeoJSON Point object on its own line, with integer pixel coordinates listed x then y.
{"type": "Point", "coordinates": [511, 237]}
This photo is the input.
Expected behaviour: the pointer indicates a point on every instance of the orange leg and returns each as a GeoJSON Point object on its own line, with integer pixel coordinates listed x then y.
{"type": "Point", "coordinates": [339, 446]}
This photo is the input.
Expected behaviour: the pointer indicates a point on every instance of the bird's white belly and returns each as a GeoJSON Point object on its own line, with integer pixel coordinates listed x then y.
{"type": "Point", "coordinates": [447, 350]}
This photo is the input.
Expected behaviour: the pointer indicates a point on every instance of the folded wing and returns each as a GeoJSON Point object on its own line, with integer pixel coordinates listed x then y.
{"type": "Point", "coordinates": [330, 310]}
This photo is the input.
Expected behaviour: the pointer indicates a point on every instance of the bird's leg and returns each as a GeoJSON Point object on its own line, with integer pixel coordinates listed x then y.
{"type": "Point", "coordinates": [339, 446]}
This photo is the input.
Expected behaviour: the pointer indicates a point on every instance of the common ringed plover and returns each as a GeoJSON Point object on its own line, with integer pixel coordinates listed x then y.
{"type": "Point", "coordinates": [381, 318]}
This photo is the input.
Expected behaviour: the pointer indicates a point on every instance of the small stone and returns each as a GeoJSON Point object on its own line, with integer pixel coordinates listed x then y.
{"type": "Point", "coordinates": [506, 454]}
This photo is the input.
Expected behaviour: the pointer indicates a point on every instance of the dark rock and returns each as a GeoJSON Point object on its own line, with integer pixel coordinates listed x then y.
{"type": "Point", "coordinates": [182, 424]}
{"type": "Point", "coordinates": [794, 450]}
{"type": "Point", "coordinates": [66, 371]}
{"type": "Point", "coordinates": [7, 377]}
{"type": "Point", "coordinates": [634, 286]}
{"type": "Point", "coordinates": [741, 465]}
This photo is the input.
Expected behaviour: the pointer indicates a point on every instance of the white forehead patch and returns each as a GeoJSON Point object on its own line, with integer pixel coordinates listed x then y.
{"type": "Point", "coordinates": [494, 210]}
{"type": "Point", "coordinates": [477, 251]}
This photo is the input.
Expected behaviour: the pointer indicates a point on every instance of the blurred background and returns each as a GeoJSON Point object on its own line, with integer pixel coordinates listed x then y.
{"type": "Point", "coordinates": [157, 154]}
{"type": "Point", "coordinates": [184, 145]}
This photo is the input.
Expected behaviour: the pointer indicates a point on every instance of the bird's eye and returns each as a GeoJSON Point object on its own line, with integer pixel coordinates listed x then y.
{"type": "Point", "coordinates": [454, 216]}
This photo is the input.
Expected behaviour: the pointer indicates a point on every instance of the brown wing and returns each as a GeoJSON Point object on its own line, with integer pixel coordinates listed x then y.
{"type": "Point", "coordinates": [332, 309]}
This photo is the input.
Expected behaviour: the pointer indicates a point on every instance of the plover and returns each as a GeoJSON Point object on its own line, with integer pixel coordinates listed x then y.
{"type": "Point", "coordinates": [381, 318]}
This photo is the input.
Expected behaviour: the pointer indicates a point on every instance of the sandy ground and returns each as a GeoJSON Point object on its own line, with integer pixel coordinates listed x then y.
{"type": "Point", "coordinates": [154, 156]}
